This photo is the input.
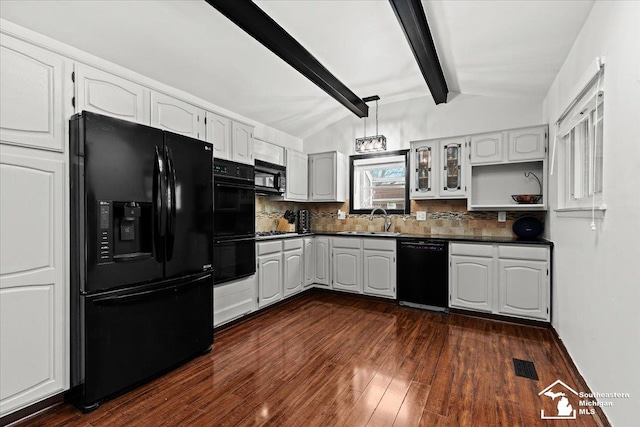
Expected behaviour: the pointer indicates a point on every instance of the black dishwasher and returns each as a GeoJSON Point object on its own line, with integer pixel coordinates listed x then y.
{"type": "Point", "coordinates": [423, 274]}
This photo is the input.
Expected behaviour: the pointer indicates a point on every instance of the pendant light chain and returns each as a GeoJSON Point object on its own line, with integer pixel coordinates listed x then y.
{"type": "Point", "coordinates": [377, 118]}
{"type": "Point", "coordinates": [364, 131]}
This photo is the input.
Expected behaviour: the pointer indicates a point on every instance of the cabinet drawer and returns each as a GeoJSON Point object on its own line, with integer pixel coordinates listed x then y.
{"type": "Point", "coordinates": [382, 245]}
{"type": "Point", "coordinates": [346, 242]}
{"type": "Point", "coordinates": [269, 247]}
{"type": "Point", "coordinates": [292, 244]}
{"type": "Point", "coordinates": [523, 252]}
{"type": "Point", "coordinates": [471, 249]}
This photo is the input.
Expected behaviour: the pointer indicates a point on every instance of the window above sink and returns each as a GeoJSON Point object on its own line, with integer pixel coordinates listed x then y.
{"type": "Point", "coordinates": [379, 180]}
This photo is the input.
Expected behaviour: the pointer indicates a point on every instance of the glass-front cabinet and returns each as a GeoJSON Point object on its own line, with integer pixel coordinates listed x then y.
{"type": "Point", "coordinates": [453, 155]}
{"type": "Point", "coordinates": [424, 159]}
{"type": "Point", "coordinates": [438, 168]}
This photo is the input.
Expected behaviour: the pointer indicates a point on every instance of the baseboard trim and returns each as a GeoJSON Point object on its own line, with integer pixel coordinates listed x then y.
{"type": "Point", "coordinates": [32, 410]}
{"type": "Point", "coordinates": [501, 318]}
{"type": "Point", "coordinates": [599, 416]}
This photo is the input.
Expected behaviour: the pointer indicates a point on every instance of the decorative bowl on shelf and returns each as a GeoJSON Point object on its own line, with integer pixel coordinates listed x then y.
{"type": "Point", "coordinates": [526, 198]}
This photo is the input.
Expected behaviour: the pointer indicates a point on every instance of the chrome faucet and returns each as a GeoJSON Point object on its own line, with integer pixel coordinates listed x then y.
{"type": "Point", "coordinates": [387, 220]}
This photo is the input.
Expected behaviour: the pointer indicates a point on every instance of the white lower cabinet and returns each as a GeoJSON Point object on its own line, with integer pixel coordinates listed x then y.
{"type": "Point", "coordinates": [347, 266]}
{"type": "Point", "coordinates": [506, 279]}
{"type": "Point", "coordinates": [364, 266]}
{"type": "Point", "coordinates": [233, 300]}
{"type": "Point", "coordinates": [309, 261]}
{"type": "Point", "coordinates": [269, 272]}
{"type": "Point", "coordinates": [523, 288]}
{"type": "Point", "coordinates": [33, 288]}
{"type": "Point", "coordinates": [293, 266]}
{"type": "Point", "coordinates": [472, 282]}
{"type": "Point", "coordinates": [379, 267]}
{"type": "Point", "coordinates": [321, 263]}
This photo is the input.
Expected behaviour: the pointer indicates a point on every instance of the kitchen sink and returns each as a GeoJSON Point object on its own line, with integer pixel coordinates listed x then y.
{"type": "Point", "coordinates": [371, 233]}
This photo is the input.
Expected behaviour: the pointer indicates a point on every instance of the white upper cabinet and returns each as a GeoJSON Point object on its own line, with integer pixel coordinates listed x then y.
{"type": "Point", "coordinates": [327, 177]}
{"type": "Point", "coordinates": [176, 116]}
{"type": "Point", "coordinates": [297, 185]}
{"type": "Point", "coordinates": [242, 143]}
{"type": "Point", "coordinates": [31, 96]}
{"type": "Point", "coordinates": [506, 164]}
{"type": "Point", "coordinates": [219, 134]}
{"type": "Point", "coordinates": [509, 146]}
{"type": "Point", "coordinates": [486, 148]}
{"type": "Point", "coordinates": [268, 152]}
{"type": "Point", "coordinates": [231, 140]}
{"type": "Point", "coordinates": [438, 168]}
{"type": "Point", "coordinates": [453, 168]}
{"type": "Point", "coordinates": [104, 93]}
{"type": "Point", "coordinates": [32, 279]}
{"type": "Point", "coordinates": [527, 144]}
{"type": "Point", "coordinates": [425, 158]}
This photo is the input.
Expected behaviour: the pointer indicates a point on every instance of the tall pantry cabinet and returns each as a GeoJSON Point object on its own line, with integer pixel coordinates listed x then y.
{"type": "Point", "coordinates": [33, 223]}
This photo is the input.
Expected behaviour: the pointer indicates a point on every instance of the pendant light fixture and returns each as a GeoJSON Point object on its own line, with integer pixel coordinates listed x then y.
{"type": "Point", "coordinates": [370, 144]}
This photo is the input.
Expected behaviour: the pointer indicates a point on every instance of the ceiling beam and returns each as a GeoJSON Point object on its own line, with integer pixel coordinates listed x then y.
{"type": "Point", "coordinates": [246, 15]}
{"type": "Point", "coordinates": [413, 21]}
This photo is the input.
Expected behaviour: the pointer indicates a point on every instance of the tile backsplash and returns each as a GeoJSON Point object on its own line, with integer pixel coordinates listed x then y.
{"type": "Point", "coordinates": [444, 217]}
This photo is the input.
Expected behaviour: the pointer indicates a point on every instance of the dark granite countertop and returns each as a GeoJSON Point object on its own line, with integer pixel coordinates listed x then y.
{"type": "Point", "coordinates": [407, 236]}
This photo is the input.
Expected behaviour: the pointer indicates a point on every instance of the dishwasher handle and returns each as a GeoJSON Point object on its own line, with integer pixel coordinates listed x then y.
{"type": "Point", "coordinates": [430, 245]}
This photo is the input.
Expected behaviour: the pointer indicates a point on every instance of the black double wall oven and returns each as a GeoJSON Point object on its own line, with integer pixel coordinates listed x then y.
{"type": "Point", "coordinates": [234, 221]}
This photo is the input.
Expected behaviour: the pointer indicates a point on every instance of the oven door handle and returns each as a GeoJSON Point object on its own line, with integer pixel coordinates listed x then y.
{"type": "Point", "coordinates": [242, 239]}
{"type": "Point", "coordinates": [233, 185]}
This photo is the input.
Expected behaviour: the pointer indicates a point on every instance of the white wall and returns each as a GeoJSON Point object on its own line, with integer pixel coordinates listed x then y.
{"type": "Point", "coordinates": [597, 277]}
{"type": "Point", "coordinates": [419, 118]}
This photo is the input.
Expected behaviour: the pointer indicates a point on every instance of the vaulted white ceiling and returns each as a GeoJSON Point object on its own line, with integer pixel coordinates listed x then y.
{"type": "Point", "coordinates": [493, 48]}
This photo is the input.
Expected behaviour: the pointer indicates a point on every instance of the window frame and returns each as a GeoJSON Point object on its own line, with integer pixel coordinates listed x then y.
{"type": "Point", "coordinates": [591, 145]}
{"type": "Point", "coordinates": [407, 204]}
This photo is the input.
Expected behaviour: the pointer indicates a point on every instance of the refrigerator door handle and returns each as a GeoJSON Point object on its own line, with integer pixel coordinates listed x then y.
{"type": "Point", "coordinates": [159, 190]}
{"type": "Point", "coordinates": [150, 293]}
{"type": "Point", "coordinates": [171, 204]}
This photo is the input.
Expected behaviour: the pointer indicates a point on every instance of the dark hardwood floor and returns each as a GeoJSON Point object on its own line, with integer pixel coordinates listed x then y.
{"type": "Point", "coordinates": [334, 359]}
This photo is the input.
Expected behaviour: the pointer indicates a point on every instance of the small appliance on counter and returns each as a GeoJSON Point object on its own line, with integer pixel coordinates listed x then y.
{"type": "Point", "coordinates": [527, 227]}
{"type": "Point", "coordinates": [303, 221]}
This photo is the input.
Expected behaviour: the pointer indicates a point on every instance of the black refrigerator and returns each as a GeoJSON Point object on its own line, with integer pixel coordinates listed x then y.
{"type": "Point", "coordinates": [141, 254]}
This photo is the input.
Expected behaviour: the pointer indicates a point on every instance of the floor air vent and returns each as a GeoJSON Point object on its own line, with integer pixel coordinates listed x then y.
{"type": "Point", "coordinates": [524, 368]}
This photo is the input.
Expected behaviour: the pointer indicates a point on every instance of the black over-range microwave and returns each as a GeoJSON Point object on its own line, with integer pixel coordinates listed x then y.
{"type": "Point", "coordinates": [270, 178]}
